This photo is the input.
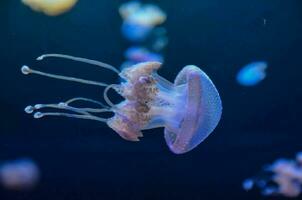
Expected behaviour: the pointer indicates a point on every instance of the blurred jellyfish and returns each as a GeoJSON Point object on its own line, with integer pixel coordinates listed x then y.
{"type": "Point", "coordinates": [269, 191]}
{"type": "Point", "coordinates": [288, 186]}
{"type": "Point", "coordinates": [138, 54]}
{"type": "Point", "coordinates": [148, 15]}
{"type": "Point", "coordinates": [189, 109]}
{"type": "Point", "coordinates": [248, 184]}
{"type": "Point", "coordinates": [129, 8]}
{"type": "Point", "coordinates": [283, 167]}
{"type": "Point", "coordinates": [135, 32]}
{"type": "Point", "coordinates": [139, 20]}
{"type": "Point", "coordinates": [19, 174]}
{"type": "Point", "coordinates": [137, 13]}
{"type": "Point", "coordinates": [283, 177]}
{"type": "Point", "coordinates": [252, 73]}
{"type": "Point", "coordinates": [50, 7]}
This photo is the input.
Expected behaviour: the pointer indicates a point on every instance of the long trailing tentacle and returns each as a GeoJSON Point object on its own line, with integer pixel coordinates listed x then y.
{"type": "Point", "coordinates": [90, 117]}
{"type": "Point", "coordinates": [26, 70]}
{"type": "Point", "coordinates": [83, 113]}
{"type": "Point", "coordinates": [79, 59]}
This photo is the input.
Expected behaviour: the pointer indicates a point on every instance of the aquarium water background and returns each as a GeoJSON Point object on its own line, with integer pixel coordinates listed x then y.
{"type": "Point", "coordinates": [83, 160]}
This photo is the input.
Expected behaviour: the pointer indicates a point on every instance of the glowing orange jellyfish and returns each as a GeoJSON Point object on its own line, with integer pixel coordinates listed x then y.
{"type": "Point", "coordinates": [189, 109]}
{"type": "Point", "coordinates": [50, 7]}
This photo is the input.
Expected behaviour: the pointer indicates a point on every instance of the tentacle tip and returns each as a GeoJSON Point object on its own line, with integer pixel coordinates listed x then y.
{"type": "Point", "coordinates": [38, 106]}
{"type": "Point", "coordinates": [40, 58]}
{"type": "Point", "coordinates": [29, 109]}
{"type": "Point", "coordinates": [25, 69]}
{"type": "Point", "coordinates": [38, 115]}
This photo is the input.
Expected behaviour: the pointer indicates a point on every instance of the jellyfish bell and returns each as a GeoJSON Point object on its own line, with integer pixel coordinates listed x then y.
{"type": "Point", "coordinates": [252, 74]}
{"type": "Point", "coordinates": [189, 109]}
{"type": "Point", "coordinates": [149, 15]}
{"type": "Point", "coordinates": [50, 7]}
{"type": "Point", "coordinates": [143, 14]}
{"type": "Point", "coordinates": [196, 113]}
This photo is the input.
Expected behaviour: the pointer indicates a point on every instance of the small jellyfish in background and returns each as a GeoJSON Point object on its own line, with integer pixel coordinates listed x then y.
{"type": "Point", "coordinates": [134, 32]}
{"type": "Point", "coordinates": [283, 177]}
{"type": "Point", "coordinates": [138, 54]}
{"type": "Point", "coordinates": [140, 19]}
{"type": "Point", "coordinates": [142, 14]}
{"type": "Point", "coordinates": [189, 109]}
{"type": "Point", "coordinates": [252, 74]}
{"type": "Point", "coordinates": [248, 184]}
{"type": "Point", "coordinates": [19, 174]}
{"type": "Point", "coordinates": [50, 7]}
{"type": "Point", "coordinates": [127, 9]}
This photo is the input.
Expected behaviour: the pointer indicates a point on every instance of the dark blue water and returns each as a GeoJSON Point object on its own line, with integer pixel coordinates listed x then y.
{"type": "Point", "coordinates": [85, 160]}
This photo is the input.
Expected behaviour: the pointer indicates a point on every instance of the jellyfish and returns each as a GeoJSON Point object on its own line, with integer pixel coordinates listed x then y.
{"type": "Point", "coordinates": [142, 14]}
{"type": "Point", "coordinates": [189, 109]}
{"type": "Point", "coordinates": [252, 73]}
{"type": "Point", "coordinates": [129, 8]}
{"type": "Point", "coordinates": [248, 184]}
{"type": "Point", "coordinates": [19, 174]}
{"type": "Point", "coordinates": [50, 7]}
{"type": "Point", "coordinates": [282, 177]}
{"type": "Point", "coordinates": [140, 19]}
{"type": "Point", "coordinates": [140, 54]}
{"type": "Point", "coordinates": [287, 186]}
{"type": "Point", "coordinates": [135, 32]}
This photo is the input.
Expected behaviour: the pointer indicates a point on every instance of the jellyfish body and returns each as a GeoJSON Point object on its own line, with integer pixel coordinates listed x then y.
{"type": "Point", "coordinates": [252, 74]}
{"type": "Point", "coordinates": [50, 7]}
{"type": "Point", "coordinates": [189, 109]}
